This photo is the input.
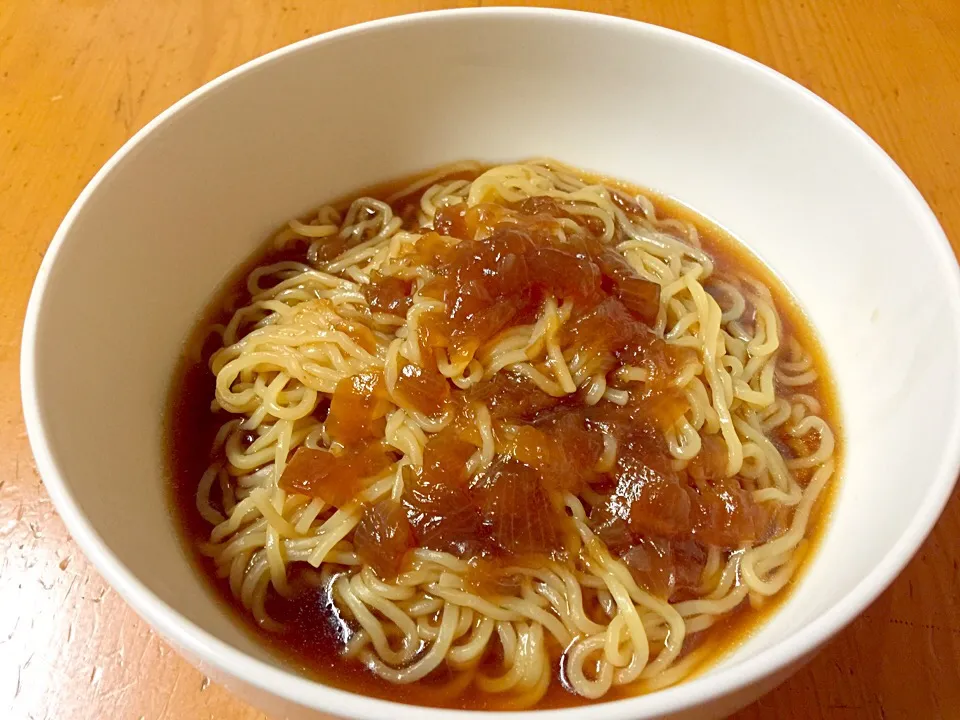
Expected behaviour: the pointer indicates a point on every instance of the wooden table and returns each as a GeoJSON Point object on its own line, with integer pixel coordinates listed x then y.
{"type": "Point", "coordinates": [78, 77]}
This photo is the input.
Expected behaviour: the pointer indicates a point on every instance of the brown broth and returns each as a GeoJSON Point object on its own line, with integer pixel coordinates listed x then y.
{"type": "Point", "coordinates": [312, 640]}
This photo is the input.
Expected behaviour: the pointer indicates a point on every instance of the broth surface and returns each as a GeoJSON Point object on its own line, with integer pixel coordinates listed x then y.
{"type": "Point", "coordinates": [313, 636]}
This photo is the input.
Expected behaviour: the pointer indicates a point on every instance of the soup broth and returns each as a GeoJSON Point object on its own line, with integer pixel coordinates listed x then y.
{"type": "Point", "coordinates": [499, 423]}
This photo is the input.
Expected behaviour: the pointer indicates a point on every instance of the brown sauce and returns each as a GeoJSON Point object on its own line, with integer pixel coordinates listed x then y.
{"type": "Point", "coordinates": [548, 445]}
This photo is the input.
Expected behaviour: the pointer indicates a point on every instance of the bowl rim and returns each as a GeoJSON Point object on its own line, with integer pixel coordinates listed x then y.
{"type": "Point", "coordinates": [290, 686]}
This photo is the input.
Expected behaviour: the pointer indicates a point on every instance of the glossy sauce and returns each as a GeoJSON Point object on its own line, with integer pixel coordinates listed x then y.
{"type": "Point", "coordinates": [494, 277]}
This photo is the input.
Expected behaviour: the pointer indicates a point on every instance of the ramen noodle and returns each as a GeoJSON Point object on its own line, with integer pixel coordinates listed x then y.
{"type": "Point", "coordinates": [504, 433]}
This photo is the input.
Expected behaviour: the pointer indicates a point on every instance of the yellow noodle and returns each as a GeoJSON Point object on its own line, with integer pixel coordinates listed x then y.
{"type": "Point", "coordinates": [285, 350]}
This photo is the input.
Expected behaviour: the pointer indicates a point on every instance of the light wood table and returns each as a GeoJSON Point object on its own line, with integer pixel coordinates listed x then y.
{"type": "Point", "coordinates": [78, 77]}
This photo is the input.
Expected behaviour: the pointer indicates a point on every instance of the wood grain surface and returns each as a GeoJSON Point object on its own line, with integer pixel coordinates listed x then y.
{"type": "Point", "coordinates": [78, 77]}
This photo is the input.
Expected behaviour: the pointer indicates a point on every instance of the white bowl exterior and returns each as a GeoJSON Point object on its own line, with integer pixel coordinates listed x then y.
{"type": "Point", "coordinates": [196, 192]}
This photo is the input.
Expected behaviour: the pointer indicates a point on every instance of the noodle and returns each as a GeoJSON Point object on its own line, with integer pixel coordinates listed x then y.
{"type": "Point", "coordinates": [306, 326]}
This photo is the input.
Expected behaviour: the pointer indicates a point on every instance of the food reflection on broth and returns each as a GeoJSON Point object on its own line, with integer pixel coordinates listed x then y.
{"type": "Point", "coordinates": [506, 437]}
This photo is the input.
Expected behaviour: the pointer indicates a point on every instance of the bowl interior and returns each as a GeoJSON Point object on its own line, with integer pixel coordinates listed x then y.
{"type": "Point", "coordinates": [174, 214]}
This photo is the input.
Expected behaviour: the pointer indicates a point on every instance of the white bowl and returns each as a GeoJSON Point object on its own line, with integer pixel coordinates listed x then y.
{"type": "Point", "coordinates": [194, 192]}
